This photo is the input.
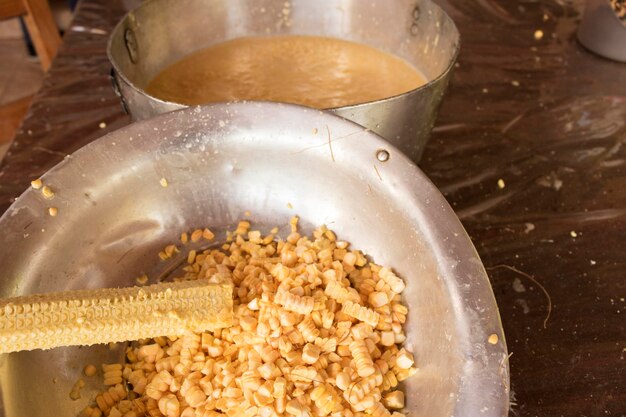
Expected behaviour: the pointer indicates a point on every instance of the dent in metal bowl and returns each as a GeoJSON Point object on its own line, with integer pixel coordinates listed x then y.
{"type": "Point", "coordinates": [275, 161]}
{"type": "Point", "coordinates": [161, 32]}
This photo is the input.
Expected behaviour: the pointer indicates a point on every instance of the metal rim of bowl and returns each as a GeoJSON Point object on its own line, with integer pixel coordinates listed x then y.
{"type": "Point", "coordinates": [472, 297]}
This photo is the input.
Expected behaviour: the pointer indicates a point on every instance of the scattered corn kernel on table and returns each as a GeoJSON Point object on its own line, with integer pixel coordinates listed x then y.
{"type": "Point", "coordinates": [528, 149]}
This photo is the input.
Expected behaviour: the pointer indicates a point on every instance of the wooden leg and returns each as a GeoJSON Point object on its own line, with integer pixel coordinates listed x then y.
{"type": "Point", "coordinates": [43, 30]}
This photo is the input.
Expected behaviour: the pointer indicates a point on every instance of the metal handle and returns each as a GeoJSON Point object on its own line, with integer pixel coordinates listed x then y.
{"type": "Point", "coordinates": [118, 92]}
{"type": "Point", "coordinates": [130, 40]}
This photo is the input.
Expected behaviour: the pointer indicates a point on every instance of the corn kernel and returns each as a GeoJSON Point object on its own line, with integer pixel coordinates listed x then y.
{"type": "Point", "coordinates": [343, 381]}
{"type": "Point", "coordinates": [378, 299]}
{"type": "Point", "coordinates": [170, 250]}
{"type": "Point", "coordinates": [404, 360]}
{"type": "Point", "coordinates": [47, 192]}
{"type": "Point", "coordinates": [196, 235]}
{"type": "Point", "coordinates": [75, 392]}
{"type": "Point", "coordinates": [36, 184]}
{"type": "Point", "coordinates": [310, 353]}
{"type": "Point", "coordinates": [90, 370]}
{"type": "Point", "coordinates": [362, 358]}
{"type": "Point", "coordinates": [191, 256]}
{"type": "Point", "coordinates": [387, 338]}
{"type": "Point", "coordinates": [142, 280]}
{"type": "Point", "coordinates": [394, 400]}
{"type": "Point", "coordinates": [304, 341]}
{"type": "Point", "coordinates": [207, 234]}
{"type": "Point", "coordinates": [378, 410]}
{"type": "Point", "coordinates": [295, 303]}
{"type": "Point", "coordinates": [295, 408]}
{"type": "Point", "coordinates": [361, 313]}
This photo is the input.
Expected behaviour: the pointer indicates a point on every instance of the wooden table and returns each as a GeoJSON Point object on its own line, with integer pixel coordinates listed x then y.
{"type": "Point", "coordinates": [529, 149]}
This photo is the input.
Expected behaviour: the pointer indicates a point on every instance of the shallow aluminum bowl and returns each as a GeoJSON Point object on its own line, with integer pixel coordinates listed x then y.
{"type": "Point", "coordinates": [275, 161]}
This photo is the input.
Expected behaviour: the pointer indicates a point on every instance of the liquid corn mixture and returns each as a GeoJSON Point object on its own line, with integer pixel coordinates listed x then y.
{"type": "Point", "coordinates": [313, 71]}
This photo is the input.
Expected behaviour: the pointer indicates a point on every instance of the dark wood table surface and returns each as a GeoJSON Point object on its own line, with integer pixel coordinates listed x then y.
{"type": "Point", "coordinates": [529, 149]}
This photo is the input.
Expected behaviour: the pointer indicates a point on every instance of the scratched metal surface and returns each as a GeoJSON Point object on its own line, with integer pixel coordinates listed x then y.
{"type": "Point", "coordinates": [543, 115]}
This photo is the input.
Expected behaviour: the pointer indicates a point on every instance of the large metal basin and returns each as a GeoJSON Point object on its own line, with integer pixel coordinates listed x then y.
{"type": "Point", "coordinates": [161, 32]}
{"type": "Point", "coordinates": [275, 161]}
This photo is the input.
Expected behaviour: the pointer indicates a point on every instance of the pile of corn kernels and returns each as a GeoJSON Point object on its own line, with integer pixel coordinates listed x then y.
{"type": "Point", "coordinates": [318, 332]}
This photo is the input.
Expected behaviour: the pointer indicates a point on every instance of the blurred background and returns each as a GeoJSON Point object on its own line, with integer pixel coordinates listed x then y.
{"type": "Point", "coordinates": [21, 72]}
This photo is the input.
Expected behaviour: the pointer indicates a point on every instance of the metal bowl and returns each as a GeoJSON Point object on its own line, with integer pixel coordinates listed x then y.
{"type": "Point", "coordinates": [275, 161]}
{"type": "Point", "coordinates": [161, 32]}
{"type": "Point", "coordinates": [602, 31]}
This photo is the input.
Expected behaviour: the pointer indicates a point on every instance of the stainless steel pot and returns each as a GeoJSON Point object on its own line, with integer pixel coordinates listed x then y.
{"type": "Point", "coordinates": [161, 32]}
{"type": "Point", "coordinates": [275, 161]}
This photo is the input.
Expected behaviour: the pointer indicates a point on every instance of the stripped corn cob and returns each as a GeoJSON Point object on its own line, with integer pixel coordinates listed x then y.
{"type": "Point", "coordinates": [396, 283]}
{"type": "Point", "coordinates": [87, 317]}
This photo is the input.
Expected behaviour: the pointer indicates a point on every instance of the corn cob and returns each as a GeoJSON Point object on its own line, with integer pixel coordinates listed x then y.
{"type": "Point", "coordinates": [87, 317]}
